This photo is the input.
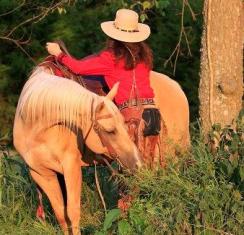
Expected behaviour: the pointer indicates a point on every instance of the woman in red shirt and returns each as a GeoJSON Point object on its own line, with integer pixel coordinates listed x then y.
{"type": "Point", "coordinates": [126, 59]}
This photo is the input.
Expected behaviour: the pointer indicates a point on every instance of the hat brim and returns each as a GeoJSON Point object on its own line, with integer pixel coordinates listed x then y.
{"type": "Point", "coordinates": [142, 34]}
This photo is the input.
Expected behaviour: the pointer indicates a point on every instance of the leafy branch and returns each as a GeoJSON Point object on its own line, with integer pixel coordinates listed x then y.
{"type": "Point", "coordinates": [146, 7]}
{"type": "Point", "coordinates": [40, 12]}
{"type": "Point", "coordinates": [176, 51]}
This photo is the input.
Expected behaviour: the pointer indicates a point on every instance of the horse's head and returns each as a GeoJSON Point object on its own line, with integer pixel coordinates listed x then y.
{"type": "Point", "coordinates": [109, 131]}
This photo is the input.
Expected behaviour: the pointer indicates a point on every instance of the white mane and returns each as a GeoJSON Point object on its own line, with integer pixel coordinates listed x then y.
{"type": "Point", "coordinates": [54, 99]}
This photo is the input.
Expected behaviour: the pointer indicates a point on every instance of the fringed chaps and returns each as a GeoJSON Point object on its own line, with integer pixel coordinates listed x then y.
{"type": "Point", "coordinates": [146, 144]}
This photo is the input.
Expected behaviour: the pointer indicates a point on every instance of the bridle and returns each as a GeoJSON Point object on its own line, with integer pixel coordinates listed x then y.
{"type": "Point", "coordinates": [99, 129]}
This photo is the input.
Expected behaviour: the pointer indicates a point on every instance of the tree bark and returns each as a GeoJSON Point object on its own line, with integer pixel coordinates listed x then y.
{"type": "Point", "coordinates": [221, 84]}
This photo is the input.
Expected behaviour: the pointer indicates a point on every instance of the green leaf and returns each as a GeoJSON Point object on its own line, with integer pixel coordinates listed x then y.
{"type": "Point", "coordinates": [226, 168]}
{"type": "Point", "coordinates": [124, 228]}
{"type": "Point", "coordinates": [61, 10]}
{"type": "Point", "coordinates": [146, 5]}
{"type": "Point", "coordinates": [110, 218]}
{"type": "Point", "coordinates": [143, 17]}
{"type": "Point", "coordinates": [100, 233]}
{"type": "Point", "coordinates": [162, 4]}
{"type": "Point", "coordinates": [137, 221]}
{"type": "Point", "coordinates": [241, 172]}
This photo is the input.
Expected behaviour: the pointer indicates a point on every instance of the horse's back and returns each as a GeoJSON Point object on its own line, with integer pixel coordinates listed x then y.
{"type": "Point", "coordinates": [174, 108]}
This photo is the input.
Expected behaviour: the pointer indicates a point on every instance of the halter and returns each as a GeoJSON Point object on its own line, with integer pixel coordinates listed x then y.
{"type": "Point", "coordinates": [99, 129]}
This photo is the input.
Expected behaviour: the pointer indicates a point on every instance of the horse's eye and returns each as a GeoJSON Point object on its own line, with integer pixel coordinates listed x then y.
{"type": "Point", "coordinates": [108, 125]}
{"type": "Point", "coordinates": [113, 132]}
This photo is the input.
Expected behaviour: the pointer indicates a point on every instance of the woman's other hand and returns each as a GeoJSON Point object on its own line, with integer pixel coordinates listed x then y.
{"type": "Point", "coordinates": [53, 48]}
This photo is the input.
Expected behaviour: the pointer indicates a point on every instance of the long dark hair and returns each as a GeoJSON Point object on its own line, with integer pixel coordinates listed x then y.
{"type": "Point", "coordinates": [122, 50]}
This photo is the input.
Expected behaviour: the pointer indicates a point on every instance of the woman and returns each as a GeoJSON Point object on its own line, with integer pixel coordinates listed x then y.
{"type": "Point", "coordinates": [127, 59]}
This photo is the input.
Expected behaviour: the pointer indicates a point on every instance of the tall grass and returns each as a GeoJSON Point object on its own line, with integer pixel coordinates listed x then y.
{"type": "Point", "coordinates": [190, 197]}
{"type": "Point", "coordinates": [203, 193]}
{"type": "Point", "coordinates": [18, 199]}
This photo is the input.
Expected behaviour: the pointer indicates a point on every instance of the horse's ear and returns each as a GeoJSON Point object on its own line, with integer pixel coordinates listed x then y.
{"type": "Point", "coordinates": [99, 107]}
{"type": "Point", "coordinates": [112, 93]}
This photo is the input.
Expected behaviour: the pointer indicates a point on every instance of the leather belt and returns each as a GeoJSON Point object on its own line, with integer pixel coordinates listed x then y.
{"type": "Point", "coordinates": [135, 102]}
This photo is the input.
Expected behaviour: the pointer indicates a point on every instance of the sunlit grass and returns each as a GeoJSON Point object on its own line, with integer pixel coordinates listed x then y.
{"type": "Point", "coordinates": [201, 193]}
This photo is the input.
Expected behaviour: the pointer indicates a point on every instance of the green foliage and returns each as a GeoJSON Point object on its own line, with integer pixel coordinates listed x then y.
{"type": "Point", "coordinates": [143, 7]}
{"type": "Point", "coordinates": [228, 145]}
{"type": "Point", "coordinates": [7, 111]}
{"type": "Point", "coordinates": [124, 228]}
{"type": "Point", "coordinates": [193, 200]}
{"type": "Point", "coordinates": [202, 193]}
{"type": "Point", "coordinates": [17, 197]}
{"type": "Point", "coordinates": [110, 217]}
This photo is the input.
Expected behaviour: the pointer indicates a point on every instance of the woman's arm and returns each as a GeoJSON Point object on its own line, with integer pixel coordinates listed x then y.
{"type": "Point", "coordinates": [100, 64]}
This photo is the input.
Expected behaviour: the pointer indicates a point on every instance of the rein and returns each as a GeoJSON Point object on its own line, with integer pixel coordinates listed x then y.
{"type": "Point", "coordinates": [52, 63]}
{"type": "Point", "coordinates": [99, 130]}
{"type": "Point", "coordinates": [112, 153]}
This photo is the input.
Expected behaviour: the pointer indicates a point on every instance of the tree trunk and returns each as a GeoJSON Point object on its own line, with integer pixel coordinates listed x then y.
{"type": "Point", "coordinates": [221, 84]}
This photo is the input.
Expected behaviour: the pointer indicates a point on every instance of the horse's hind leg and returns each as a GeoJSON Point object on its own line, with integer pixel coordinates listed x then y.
{"type": "Point", "coordinates": [50, 185]}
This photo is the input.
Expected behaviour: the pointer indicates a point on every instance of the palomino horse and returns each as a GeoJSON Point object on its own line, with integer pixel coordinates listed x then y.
{"type": "Point", "coordinates": [52, 116]}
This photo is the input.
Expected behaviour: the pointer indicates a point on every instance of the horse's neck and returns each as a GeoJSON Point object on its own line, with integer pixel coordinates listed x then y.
{"type": "Point", "coordinates": [70, 103]}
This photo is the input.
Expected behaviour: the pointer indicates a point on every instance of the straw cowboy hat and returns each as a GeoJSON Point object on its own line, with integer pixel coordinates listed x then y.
{"type": "Point", "coordinates": [125, 27]}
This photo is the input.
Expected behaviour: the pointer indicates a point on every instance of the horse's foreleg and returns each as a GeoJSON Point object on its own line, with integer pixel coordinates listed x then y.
{"type": "Point", "coordinates": [72, 177]}
{"type": "Point", "coordinates": [50, 185]}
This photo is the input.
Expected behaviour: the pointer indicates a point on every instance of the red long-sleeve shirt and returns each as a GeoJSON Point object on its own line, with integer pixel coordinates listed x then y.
{"type": "Point", "coordinates": [105, 64]}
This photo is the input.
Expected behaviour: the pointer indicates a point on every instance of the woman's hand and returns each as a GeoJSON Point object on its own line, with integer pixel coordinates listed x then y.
{"type": "Point", "coordinates": [53, 48]}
